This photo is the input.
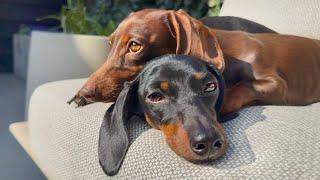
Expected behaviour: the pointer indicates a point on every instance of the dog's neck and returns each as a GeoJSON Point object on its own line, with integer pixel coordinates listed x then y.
{"type": "Point", "coordinates": [236, 44]}
{"type": "Point", "coordinates": [238, 52]}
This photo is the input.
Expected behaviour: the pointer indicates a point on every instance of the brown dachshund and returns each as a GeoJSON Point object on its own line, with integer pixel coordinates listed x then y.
{"type": "Point", "coordinates": [258, 68]}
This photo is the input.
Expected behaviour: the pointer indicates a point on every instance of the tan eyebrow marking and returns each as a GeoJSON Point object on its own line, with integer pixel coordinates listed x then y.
{"type": "Point", "coordinates": [124, 38]}
{"type": "Point", "coordinates": [199, 75]}
{"type": "Point", "coordinates": [164, 85]}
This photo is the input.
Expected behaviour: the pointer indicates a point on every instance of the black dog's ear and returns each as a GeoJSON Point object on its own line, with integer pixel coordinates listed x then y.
{"type": "Point", "coordinates": [113, 137]}
{"type": "Point", "coordinates": [221, 85]}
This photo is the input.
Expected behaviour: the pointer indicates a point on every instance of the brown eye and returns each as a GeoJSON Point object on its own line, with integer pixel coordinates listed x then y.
{"type": "Point", "coordinates": [210, 86]}
{"type": "Point", "coordinates": [156, 97]}
{"type": "Point", "coordinates": [134, 47]}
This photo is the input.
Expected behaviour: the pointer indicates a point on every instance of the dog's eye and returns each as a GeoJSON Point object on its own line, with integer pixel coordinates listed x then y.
{"type": "Point", "coordinates": [134, 47]}
{"type": "Point", "coordinates": [210, 86]}
{"type": "Point", "coordinates": [156, 97]}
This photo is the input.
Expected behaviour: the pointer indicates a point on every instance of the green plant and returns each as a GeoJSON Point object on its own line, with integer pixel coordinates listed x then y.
{"type": "Point", "coordinates": [74, 18]}
{"type": "Point", "coordinates": [24, 30]}
{"type": "Point", "coordinates": [214, 7]}
{"type": "Point", "coordinates": [119, 9]}
{"type": "Point", "coordinates": [100, 17]}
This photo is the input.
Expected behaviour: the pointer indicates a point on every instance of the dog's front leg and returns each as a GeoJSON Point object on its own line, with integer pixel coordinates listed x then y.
{"type": "Point", "coordinates": [269, 90]}
{"type": "Point", "coordinates": [238, 96]}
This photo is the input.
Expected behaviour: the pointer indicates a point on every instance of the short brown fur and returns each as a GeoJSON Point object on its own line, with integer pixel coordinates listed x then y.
{"type": "Point", "coordinates": [258, 68]}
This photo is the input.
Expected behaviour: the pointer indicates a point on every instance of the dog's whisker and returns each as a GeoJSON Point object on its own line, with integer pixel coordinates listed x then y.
{"type": "Point", "coordinates": [72, 99]}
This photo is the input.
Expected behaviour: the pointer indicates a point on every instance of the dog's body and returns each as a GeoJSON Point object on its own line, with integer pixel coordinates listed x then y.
{"type": "Point", "coordinates": [269, 69]}
{"type": "Point", "coordinates": [232, 23]}
{"type": "Point", "coordinates": [258, 68]}
{"type": "Point", "coordinates": [179, 95]}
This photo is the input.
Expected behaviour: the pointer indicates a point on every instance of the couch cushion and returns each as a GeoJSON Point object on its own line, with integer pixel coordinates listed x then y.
{"type": "Point", "coordinates": [297, 17]}
{"type": "Point", "coordinates": [266, 142]}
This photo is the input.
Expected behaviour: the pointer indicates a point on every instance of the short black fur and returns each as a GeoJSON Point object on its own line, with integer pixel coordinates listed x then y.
{"type": "Point", "coordinates": [114, 140]}
{"type": "Point", "coordinates": [235, 23]}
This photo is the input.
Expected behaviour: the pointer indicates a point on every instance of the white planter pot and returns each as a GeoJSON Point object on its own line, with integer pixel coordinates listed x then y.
{"type": "Point", "coordinates": [59, 56]}
{"type": "Point", "coordinates": [21, 44]}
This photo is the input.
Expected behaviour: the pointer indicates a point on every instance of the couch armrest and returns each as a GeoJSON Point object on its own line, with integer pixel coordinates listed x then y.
{"type": "Point", "coordinates": [59, 56]}
{"type": "Point", "coordinates": [20, 131]}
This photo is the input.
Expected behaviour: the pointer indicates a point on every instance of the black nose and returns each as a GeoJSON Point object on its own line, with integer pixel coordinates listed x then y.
{"type": "Point", "coordinates": [202, 144]}
{"type": "Point", "coordinates": [217, 144]}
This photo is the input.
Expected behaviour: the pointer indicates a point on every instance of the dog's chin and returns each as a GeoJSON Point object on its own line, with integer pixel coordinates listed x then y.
{"type": "Point", "coordinates": [190, 156]}
{"type": "Point", "coordinates": [203, 159]}
{"type": "Point", "coordinates": [216, 155]}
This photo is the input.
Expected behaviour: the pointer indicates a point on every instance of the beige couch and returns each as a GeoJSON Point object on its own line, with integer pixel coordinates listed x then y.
{"type": "Point", "coordinates": [265, 142]}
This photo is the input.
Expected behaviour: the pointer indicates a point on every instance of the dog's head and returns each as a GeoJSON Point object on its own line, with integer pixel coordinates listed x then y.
{"type": "Point", "coordinates": [179, 95]}
{"type": "Point", "coordinates": [144, 35]}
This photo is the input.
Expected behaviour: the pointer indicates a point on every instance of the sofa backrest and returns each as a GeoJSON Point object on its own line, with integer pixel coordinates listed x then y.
{"type": "Point", "coordinates": [296, 17]}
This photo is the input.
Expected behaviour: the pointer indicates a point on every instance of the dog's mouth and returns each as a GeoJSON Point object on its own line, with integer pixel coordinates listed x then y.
{"type": "Point", "coordinates": [212, 155]}
{"type": "Point", "coordinates": [80, 101]}
{"type": "Point", "coordinates": [194, 150]}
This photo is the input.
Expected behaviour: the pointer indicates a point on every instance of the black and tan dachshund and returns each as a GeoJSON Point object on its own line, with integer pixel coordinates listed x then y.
{"type": "Point", "coordinates": [177, 94]}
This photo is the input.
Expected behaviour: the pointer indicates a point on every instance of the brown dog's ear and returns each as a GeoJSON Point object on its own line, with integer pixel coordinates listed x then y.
{"type": "Point", "coordinates": [113, 137]}
{"type": "Point", "coordinates": [195, 39]}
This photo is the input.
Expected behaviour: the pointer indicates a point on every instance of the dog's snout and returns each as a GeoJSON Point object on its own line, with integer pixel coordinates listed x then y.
{"type": "Point", "coordinates": [217, 144]}
{"type": "Point", "coordinates": [202, 144]}
{"type": "Point", "coordinates": [84, 96]}
{"type": "Point", "coordinates": [87, 92]}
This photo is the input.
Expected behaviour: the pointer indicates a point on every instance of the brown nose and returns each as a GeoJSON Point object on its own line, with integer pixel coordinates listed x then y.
{"type": "Point", "coordinates": [201, 144]}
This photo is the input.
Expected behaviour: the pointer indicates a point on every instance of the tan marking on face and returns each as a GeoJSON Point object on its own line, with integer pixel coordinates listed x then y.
{"type": "Point", "coordinates": [164, 85]}
{"type": "Point", "coordinates": [199, 75]}
{"type": "Point", "coordinates": [124, 38]}
{"type": "Point", "coordinates": [178, 140]}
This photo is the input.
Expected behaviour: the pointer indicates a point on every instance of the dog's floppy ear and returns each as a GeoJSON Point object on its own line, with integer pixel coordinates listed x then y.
{"type": "Point", "coordinates": [113, 137]}
{"type": "Point", "coordinates": [221, 85]}
{"type": "Point", "coordinates": [193, 38]}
